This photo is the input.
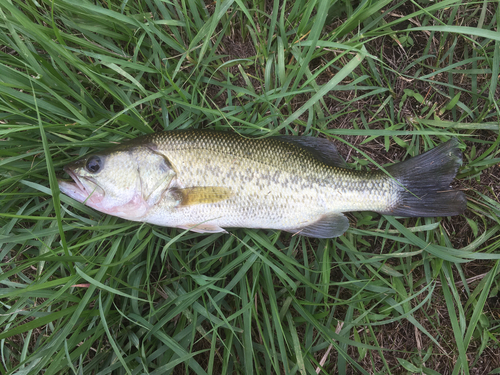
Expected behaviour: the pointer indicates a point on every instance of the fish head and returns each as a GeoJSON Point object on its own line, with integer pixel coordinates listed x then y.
{"type": "Point", "coordinates": [122, 182]}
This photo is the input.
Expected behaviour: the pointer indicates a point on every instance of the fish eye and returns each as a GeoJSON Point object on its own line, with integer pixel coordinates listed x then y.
{"type": "Point", "coordinates": [94, 164]}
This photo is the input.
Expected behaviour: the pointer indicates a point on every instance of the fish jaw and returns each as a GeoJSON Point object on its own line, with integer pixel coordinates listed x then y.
{"type": "Point", "coordinates": [72, 190]}
{"type": "Point", "coordinates": [85, 191]}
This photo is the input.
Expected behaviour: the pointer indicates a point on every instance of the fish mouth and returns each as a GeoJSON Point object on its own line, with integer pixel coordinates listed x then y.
{"type": "Point", "coordinates": [79, 191]}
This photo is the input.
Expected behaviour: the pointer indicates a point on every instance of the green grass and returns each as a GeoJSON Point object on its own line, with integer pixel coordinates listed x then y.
{"type": "Point", "coordinates": [87, 293]}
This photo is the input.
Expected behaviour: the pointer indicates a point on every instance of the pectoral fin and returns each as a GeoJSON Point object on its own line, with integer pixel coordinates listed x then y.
{"type": "Point", "coordinates": [201, 195]}
{"type": "Point", "coordinates": [330, 225]}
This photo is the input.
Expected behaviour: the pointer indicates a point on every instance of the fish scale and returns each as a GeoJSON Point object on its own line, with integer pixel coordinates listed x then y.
{"type": "Point", "coordinates": [254, 175]}
{"type": "Point", "coordinates": [207, 181]}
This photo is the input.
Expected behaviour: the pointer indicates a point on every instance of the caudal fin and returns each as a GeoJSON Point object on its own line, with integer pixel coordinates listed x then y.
{"type": "Point", "coordinates": [426, 180]}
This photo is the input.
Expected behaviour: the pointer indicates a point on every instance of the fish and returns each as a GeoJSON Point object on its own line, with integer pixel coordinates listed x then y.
{"type": "Point", "coordinates": [207, 181]}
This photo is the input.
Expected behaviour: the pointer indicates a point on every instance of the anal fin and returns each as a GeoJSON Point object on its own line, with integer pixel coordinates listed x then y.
{"type": "Point", "coordinates": [328, 226]}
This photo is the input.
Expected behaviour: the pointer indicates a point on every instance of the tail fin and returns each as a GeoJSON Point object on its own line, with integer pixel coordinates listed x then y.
{"type": "Point", "coordinates": [426, 179]}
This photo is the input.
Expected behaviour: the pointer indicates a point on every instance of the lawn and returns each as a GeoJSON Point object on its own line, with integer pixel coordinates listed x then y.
{"type": "Point", "coordinates": [87, 293]}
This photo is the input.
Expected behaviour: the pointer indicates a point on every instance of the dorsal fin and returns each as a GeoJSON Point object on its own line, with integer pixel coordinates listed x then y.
{"type": "Point", "coordinates": [321, 148]}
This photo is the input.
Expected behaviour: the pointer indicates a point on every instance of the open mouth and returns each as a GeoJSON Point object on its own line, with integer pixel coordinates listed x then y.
{"type": "Point", "coordinates": [72, 190]}
{"type": "Point", "coordinates": [75, 178]}
{"type": "Point", "coordinates": [79, 191]}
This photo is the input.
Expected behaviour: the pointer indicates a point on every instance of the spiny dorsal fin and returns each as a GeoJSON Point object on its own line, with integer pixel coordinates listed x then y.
{"type": "Point", "coordinates": [321, 148]}
{"type": "Point", "coordinates": [201, 195]}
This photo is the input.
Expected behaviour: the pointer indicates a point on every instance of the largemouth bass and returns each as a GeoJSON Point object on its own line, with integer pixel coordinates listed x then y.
{"type": "Point", "coordinates": [207, 181]}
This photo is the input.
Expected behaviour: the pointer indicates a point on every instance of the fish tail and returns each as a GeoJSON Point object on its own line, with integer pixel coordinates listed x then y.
{"type": "Point", "coordinates": [425, 183]}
